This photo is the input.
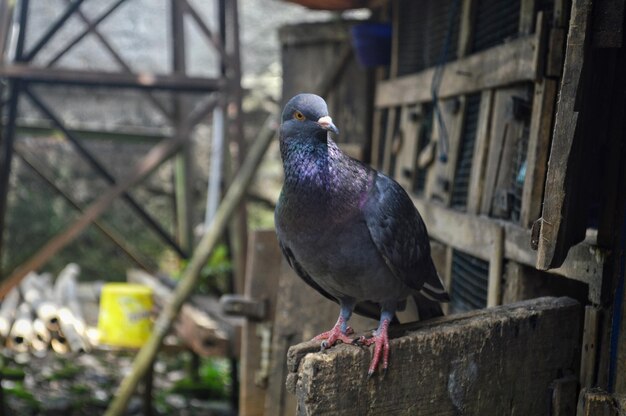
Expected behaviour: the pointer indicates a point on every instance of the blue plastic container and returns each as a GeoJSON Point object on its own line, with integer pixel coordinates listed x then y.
{"type": "Point", "coordinates": [372, 43]}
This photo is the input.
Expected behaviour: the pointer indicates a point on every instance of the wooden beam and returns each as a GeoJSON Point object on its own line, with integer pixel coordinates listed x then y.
{"type": "Point", "coordinates": [469, 233]}
{"type": "Point", "coordinates": [142, 80]}
{"type": "Point", "coordinates": [552, 241]}
{"type": "Point", "coordinates": [509, 63]}
{"type": "Point", "coordinates": [538, 149]}
{"type": "Point", "coordinates": [475, 235]}
{"type": "Point", "coordinates": [481, 151]}
{"type": "Point", "coordinates": [484, 362]}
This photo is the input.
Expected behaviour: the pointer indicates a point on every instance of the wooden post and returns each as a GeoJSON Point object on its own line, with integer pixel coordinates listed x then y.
{"type": "Point", "coordinates": [484, 362]}
{"type": "Point", "coordinates": [494, 290]}
{"type": "Point", "coordinates": [232, 199]}
{"type": "Point", "coordinates": [264, 260]}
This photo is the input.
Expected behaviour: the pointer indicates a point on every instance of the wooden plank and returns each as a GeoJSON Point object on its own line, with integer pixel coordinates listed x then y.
{"type": "Point", "coordinates": [538, 146]}
{"type": "Point", "coordinates": [264, 262]}
{"type": "Point", "coordinates": [485, 362]}
{"type": "Point", "coordinates": [503, 133]}
{"type": "Point", "coordinates": [564, 393]}
{"type": "Point", "coordinates": [527, 16]}
{"type": "Point", "coordinates": [466, 28]}
{"type": "Point", "coordinates": [494, 289]}
{"type": "Point", "coordinates": [468, 233]}
{"type": "Point", "coordinates": [556, 52]}
{"type": "Point", "coordinates": [474, 235]}
{"type": "Point", "coordinates": [510, 63]}
{"type": "Point", "coordinates": [479, 159]}
{"type": "Point", "coordinates": [390, 137]}
{"type": "Point", "coordinates": [555, 235]}
{"type": "Point", "coordinates": [589, 346]}
{"type": "Point", "coordinates": [203, 331]}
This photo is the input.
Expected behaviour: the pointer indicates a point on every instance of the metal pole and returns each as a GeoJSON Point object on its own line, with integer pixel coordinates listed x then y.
{"type": "Point", "coordinates": [182, 168]}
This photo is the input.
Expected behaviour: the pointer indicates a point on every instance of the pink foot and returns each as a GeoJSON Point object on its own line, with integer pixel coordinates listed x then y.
{"type": "Point", "coordinates": [330, 338]}
{"type": "Point", "coordinates": [381, 346]}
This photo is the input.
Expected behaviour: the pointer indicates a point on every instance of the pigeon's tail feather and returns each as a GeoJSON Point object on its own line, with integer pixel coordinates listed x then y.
{"type": "Point", "coordinates": [433, 287]}
{"type": "Point", "coordinates": [427, 308]}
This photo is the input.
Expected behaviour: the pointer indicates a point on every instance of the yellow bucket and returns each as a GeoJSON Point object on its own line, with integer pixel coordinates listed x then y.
{"type": "Point", "coordinates": [124, 317]}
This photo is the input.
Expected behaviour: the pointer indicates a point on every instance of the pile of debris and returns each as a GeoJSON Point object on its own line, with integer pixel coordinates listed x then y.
{"type": "Point", "coordinates": [39, 315]}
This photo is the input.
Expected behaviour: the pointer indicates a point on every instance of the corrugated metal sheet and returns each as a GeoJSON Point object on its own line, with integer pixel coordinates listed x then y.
{"type": "Point", "coordinates": [495, 21]}
{"type": "Point", "coordinates": [422, 29]}
{"type": "Point", "coordinates": [460, 186]}
{"type": "Point", "coordinates": [470, 282]}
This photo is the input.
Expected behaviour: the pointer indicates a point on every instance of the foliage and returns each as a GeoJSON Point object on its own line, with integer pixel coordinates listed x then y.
{"type": "Point", "coordinates": [213, 381]}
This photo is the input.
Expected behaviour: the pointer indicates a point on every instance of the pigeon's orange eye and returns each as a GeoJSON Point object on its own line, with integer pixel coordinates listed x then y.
{"type": "Point", "coordinates": [298, 116]}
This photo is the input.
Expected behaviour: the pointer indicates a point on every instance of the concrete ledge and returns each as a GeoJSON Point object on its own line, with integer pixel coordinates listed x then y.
{"type": "Point", "coordinates": [497, 361]}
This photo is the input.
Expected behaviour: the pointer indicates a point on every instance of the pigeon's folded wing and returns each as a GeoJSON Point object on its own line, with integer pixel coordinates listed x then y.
{"type": "Point", "coordinates": [400, 236]}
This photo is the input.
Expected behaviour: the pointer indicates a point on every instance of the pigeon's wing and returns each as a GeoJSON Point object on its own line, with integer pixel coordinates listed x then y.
{"type": "Point", "coordinates": [368, 309]}
{"type": "Point", "coordinates": [400, 235]}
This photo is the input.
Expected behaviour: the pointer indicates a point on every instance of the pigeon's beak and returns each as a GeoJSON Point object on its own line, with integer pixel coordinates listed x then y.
{"type": "Point", "coordinates": [327, 124]}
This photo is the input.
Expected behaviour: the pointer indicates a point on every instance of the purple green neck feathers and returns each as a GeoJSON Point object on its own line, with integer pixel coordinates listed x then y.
{"type": "Point", "coordinates": [319, 175]}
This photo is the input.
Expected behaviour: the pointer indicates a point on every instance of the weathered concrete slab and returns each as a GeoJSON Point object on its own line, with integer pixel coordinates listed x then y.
{"type": "Point", "coordinates": [498, 361]}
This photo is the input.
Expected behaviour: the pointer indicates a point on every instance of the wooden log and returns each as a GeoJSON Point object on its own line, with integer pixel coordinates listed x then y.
{"type": "Point", "coordinates": [42, 337]}
{"type": "Point", "coordinates": [45, 308]}
{"type": "Point", "coordinates": [7, 313]}
{"type": "Point", "coordinates": [233, 197]}
{"type": "Point", "coordinates": [206, 333]}
{"type": "Point", "coordinates": [58, 343]}
{"type": "Point", "coordinates": [485, 362]}
{"type": "Point", "coordinates": [69, 313]}
{"type": "Point", "coordinates": [22, 334]}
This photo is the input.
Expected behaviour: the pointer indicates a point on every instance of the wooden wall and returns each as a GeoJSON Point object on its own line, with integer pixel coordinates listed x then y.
{"type": "Point", "coordinates": [488, 112]}
{"type": "Point", "coordinates": [309, 50]}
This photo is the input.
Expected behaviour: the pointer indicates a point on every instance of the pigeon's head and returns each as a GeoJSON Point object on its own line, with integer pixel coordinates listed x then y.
{"type": "Point", "coordinates": [306, 115]}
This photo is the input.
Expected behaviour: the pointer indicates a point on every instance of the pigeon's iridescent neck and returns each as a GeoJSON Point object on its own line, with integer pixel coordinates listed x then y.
{"type": "Point", "coordinates": [321, 174]}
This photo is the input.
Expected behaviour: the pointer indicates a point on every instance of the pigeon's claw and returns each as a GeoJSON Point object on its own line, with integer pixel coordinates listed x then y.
{"type": "Point", "coordinates": [330, 338]}
{"type": "Point", "coordinates": [381, 348]}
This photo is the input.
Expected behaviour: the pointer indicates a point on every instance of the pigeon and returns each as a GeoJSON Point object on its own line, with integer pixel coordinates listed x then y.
{"type": "Point", "coordinates": [350, 232]}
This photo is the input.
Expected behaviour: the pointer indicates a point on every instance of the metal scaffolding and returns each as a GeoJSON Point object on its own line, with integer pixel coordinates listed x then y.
{"type": "Point", "coordinates": [19, 74]}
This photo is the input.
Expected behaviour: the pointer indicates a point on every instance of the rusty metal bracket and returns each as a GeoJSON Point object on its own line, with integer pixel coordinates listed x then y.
{"type": "Point", "coordinates": [244, 306]}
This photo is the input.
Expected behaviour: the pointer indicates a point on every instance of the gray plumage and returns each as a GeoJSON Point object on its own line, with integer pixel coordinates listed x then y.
{"type": "Point", "coordinates": [350, 232]}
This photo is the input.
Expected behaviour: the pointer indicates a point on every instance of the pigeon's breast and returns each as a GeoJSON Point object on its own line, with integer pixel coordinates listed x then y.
{"type": "Point", "coordinates": [341, 257]}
